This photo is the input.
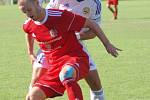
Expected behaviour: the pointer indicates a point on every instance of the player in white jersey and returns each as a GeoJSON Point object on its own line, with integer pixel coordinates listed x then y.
{"type": "Point", "coordinates": [87, 8]}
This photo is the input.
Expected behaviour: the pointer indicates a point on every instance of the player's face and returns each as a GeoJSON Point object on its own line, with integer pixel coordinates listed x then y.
{"type": "Point", "coordinates": [30, 9]}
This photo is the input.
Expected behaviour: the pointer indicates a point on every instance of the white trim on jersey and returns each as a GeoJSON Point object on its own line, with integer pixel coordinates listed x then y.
{"type": "Point", "coordinates": [44, 20]}
{"type": "Point", "coordinates": [54, 13]}
{"type": "Point", "coordinates": [49, 12]}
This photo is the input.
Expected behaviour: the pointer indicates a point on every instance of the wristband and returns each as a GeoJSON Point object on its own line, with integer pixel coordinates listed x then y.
{"type": "Point", "coordinates": [78, 35]}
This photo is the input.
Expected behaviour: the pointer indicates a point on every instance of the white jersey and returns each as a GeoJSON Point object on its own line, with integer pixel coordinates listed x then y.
{"type": "Point", "coordinates": [87, 8]}
{"type": "Point", "coordinates": [40, 2]}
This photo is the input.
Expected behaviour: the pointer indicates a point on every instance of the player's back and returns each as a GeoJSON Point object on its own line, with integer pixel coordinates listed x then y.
{"type": "Point", "coordinates": [86, 8]}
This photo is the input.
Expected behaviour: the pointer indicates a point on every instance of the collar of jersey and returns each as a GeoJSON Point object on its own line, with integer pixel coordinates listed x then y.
{"type": "Point", "coordinates": [44, 20]}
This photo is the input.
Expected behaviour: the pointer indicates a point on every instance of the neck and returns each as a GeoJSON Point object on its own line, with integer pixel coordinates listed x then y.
{"type": "Point", "coordinates": [42, 14]}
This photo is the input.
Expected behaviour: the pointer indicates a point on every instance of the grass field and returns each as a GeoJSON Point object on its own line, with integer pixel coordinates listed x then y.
{"type": "Point", "coordinates": [124, 78]}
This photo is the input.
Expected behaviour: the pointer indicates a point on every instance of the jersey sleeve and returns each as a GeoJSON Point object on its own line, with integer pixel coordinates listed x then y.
{"type": "Point", "coordinates": [72, 22]}
{"type": "Point", "coordinates": [77, 23]}
{"type": "Point", "coordinates": [26, 26]}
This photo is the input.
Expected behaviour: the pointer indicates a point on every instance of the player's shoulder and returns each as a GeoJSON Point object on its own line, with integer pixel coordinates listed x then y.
{"type": "Point", "coordinates": [27, 21]}
{"type": "Point", "coordinates": [26, 24]}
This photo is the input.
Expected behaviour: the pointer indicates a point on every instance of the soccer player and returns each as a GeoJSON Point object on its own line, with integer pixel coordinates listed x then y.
{"type": "Point", "coordinates": [115, 10]}
{"type": "Point", "coordinates": [90, 9]}
{"type": "Point", "coordinates": [54, 30]}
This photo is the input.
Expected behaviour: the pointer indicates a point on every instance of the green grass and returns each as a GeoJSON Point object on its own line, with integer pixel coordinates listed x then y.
{"type": "Point", "coordinates": [124, 78]}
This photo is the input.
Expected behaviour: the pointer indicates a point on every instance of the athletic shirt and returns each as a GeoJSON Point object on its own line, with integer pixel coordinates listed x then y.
{"type": "Point", "coordinates": [56, 34]}
{"type": "Point", "coordinates": [40, 2]}
{"type": "Point", "coordinates": [87, 8]}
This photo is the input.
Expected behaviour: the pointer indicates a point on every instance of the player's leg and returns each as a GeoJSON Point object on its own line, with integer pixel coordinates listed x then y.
{"type": "Point", "coordinates": [36, 94]}
{"type": "Point", "coordinates": [94, 82]}
{"type": "Point", "coordinates": [115, 12]}
{"type": "Point", "coordinates": [68, 77]}
{"type": "Point", "coordinates": [109, 3]}
{"type": "Point", "coordinates": [41, 91]}
{"type": "Point", "coordinates": [39, 67]}
{"type": "Point", "coordinates": [110, 8]}
{"type": "Point", "coordinates": [37, 72]}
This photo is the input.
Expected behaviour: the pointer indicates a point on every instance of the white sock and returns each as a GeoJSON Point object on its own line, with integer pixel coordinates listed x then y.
{"type": "Point", "coordinates": [97, 95]}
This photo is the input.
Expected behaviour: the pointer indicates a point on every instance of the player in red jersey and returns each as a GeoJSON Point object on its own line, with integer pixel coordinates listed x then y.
{"type": "Point", "coordinates": [115, 4]}
{"type": "Point", "coordinates": [40, 64]}
{"type": "Point", "coordinates": [54, 30]}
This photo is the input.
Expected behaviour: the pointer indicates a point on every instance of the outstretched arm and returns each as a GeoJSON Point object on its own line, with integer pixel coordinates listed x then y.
{"type": "Point", "coordinates": [111, 49]}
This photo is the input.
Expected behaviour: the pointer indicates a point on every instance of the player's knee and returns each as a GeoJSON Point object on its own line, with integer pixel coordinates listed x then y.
{"type": "Point", "coordinates": [67, 72]}
{"type": "Point", "coordinates": [31, 96]}
{"type": "Point", "coordinates": [36, 94]}
{"type": "Point", "coordinates": [34, 97]}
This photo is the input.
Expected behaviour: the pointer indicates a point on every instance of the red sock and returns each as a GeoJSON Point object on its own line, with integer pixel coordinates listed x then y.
{"type": "Point", "coordinates": [73, 90]}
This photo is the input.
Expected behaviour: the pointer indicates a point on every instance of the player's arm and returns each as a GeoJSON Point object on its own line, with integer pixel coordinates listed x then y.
{"type": "Point", "coordinates": [85, 34]}
{"type": "Point", "coordinates": [111, 49]}
{"type": "Point", "coordinates": [30, 47]}
{"type": "Point", "coordinates": [35, 71]}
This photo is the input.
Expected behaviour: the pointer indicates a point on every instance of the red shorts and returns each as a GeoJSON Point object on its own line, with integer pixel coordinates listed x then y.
{"type": "Point", "coordinates": [50, 80]}
{"type": "Point", "coordinates": [112, 2]}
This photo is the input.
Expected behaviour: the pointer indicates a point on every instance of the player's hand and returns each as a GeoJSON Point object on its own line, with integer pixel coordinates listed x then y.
{"type": "Point", "coordinates": [112, 50]}
{"type": "Point", "coordinates": [32, 58]}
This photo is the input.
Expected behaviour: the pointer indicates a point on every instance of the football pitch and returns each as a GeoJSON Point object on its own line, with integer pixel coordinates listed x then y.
{"type": "Point", "coordinates": [124, 78]}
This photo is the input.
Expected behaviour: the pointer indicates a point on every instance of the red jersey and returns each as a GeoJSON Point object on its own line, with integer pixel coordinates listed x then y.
{"type": "Point", "coordinates": [56, 34]}
{"type": "Point", "coordinates": [57, 39]}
